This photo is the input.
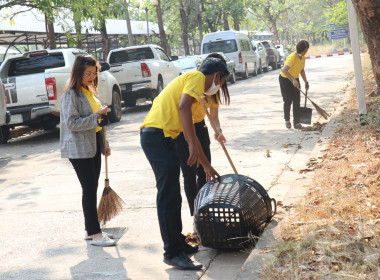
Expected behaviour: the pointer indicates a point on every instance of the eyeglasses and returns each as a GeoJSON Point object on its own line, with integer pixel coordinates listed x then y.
{"type": "Point", "coordinates": [89, 74]}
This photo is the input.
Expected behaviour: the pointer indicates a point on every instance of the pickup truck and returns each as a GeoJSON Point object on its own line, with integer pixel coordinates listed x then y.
{"type": "Point", "coordinates": [34, 82]}
{"type": "Point", "coordinates": [142, 71]}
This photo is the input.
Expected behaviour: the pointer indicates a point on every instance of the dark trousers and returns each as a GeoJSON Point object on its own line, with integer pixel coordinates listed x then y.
{"type": "Point", "coordinates": [88, 171]}
{"type": "Point", "coordinates": [290, 94]}
{"type": "Point", "coordinates": [194, 177]}
{"type": "Point", "coordinates": [161, 155]}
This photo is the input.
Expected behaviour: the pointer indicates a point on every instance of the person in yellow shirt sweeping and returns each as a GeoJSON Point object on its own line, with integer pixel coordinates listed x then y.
{"type": "Point", "coordinates": [290, 83]}
{"type": "Point", "coordinates": [171, 113]}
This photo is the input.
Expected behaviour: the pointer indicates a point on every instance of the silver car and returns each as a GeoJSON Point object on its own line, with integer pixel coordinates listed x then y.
{"type": "Point", "coordinates": [263, 56]}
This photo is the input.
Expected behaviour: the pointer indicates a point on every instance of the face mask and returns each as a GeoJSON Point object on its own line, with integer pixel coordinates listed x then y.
{"type": "Point", "coordinates": [213, 89]}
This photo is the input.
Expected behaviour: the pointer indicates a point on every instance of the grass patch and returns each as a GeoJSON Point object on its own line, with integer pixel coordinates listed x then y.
{"type": "Point", "coordinates": [334, 232]}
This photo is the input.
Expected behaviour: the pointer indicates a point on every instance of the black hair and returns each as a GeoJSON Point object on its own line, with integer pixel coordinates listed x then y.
{"type": "Point", "coordinates": [214, 64]}
{"type": "Point", "coordinates": [217, 62]}
{"type": "Point", "coordinates": [302, 45]}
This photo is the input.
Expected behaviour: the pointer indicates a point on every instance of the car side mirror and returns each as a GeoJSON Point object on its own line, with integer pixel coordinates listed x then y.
{"type": "Point", "coordinates": [104, 66]}
{"type": "Point", "coordinates": [254, 48]}
{"type": "Point", "coordinates": [174, 57]}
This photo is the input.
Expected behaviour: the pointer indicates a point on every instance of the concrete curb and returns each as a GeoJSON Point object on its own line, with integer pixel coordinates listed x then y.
{"type": "Point", "coordinates": [261, 255]}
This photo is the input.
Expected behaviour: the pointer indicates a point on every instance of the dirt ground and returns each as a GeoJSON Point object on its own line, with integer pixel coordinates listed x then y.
{"type": "Point", "coordinates": [334, 233]}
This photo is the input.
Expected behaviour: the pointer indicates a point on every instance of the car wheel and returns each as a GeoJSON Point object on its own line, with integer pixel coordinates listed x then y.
{"type": "Point", "coordinates": [274, 65]}
{"type": "Point", "coordinates": [245, 75]}
{"type": "Point", "coordinates": [255, 69]}
{"type": "Point", "coordinates": [156, 92]}
{"type": "Point", "coordinates": [260, 70]}
{"type": "Point", "coordinates": [115, 114]}
{"type": "Point", "coordinates": [4, 134]}
{"type": "Point", "coordinates": [233, 77]}
{"type": "Point", "coordinates": [49, 125]}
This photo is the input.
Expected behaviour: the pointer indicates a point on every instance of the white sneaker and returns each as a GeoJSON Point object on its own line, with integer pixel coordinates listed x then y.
{"type": "Point", "coordinates": [106, 241]}
{"type": "Point", "coordinates": [110, 235]}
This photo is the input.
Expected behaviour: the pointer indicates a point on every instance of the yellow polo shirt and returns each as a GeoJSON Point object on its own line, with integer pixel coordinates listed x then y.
{"type": "Point", "coordinates": [296, 65]}
{"type": "Point", "coordinates": [94, 103]}
{"type": "Point", "coordinates": [164, 113]}
{"type": "Point", "coordinates": [200, 113]}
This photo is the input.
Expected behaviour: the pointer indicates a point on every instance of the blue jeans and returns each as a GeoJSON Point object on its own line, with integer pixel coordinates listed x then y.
{"type": "Point", "coordinates": [160, 152]}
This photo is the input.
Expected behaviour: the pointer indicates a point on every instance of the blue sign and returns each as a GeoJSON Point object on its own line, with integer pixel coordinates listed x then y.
{"type": "Point", "coordinates": [337, 33]}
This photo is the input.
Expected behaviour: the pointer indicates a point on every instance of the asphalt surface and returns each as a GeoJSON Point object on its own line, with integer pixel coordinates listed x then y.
{"type": "Point", "coordinates": [40, 211]}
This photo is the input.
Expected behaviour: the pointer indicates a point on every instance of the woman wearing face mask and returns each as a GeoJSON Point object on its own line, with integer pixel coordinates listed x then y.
{"type": "Point", "coordinates": [194, 176]}
{"type": "Point", "coordinates": [171, 113]}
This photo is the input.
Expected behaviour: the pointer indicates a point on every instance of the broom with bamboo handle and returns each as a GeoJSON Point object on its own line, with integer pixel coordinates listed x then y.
{"type": "Point", "coordinates": [224, 147]}
{"type": "Point", "coordinates": [320, 111]}
{"type": "Point", "coordinates": [110, 203]}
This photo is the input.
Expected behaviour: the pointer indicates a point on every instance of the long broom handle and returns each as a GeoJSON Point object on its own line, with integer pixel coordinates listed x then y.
{"type": "Point", "coordinates": [216, 132]}
{"type": "Point", "coordinates": [305, 96]}
{"type": "Point", "coordinates": [105, 145]}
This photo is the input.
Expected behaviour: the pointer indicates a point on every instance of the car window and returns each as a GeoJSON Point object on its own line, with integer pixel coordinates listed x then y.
{"type": "Point", "coordinates": [36, 64]}
{"type": "Point", "coordinates": [131, 55]}
{"type": "Point", "coordinates": [266, 45]}
{"type": "Point", "coordinates": [226, 46]}
{"type": "Point", "coordinates": [162, 54]}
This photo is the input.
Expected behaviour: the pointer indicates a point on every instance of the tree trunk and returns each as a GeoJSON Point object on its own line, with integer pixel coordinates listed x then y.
{"type": "Point", "coordinates": [225, 22]}
{"type": "Point", "coordinates": [236, 25]}
{"type": "Point", "coordinates": [200, 23]}
{"type": "Point", "coordinates": [49, 24]}
{"type": "Point", "coordinates": [164, 41]}
{"type": "Point", "coordinates": [127, 19]}
{"type": "Point", "coordinates": [79, 37]}
{"type": "Point", "coordinates": [184, 27]}
{"type": "Point", "coordinates": [368, 12]}
{"type": "Point", "coordinates": [105, 40]}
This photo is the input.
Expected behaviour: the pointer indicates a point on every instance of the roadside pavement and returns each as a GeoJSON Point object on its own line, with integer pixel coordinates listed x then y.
{"type": "Point", "coordinates": [40, 210]}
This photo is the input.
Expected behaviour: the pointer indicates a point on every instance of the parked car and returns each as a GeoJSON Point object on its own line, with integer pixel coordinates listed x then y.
{"type": "Point", "coordinates": [34, 82]}
{"type": "Point", "coordinates": [142, 71]}
{"type": "Point", "coordinates": [188, 63]}
{"type": "Point", "coordinates": [283, 53]}
{"type": "Point", "coordinates": [273, 55]}
{"type": "Point", "coordinates": [237, 47]}
{"type": "Point", "coordinates": [263, 56]}
{"type": "Point", "coordinates": [231, 66]}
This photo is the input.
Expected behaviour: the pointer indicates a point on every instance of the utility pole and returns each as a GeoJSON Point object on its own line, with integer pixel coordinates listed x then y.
{"type": "Point", "coordinates": [357, 61]}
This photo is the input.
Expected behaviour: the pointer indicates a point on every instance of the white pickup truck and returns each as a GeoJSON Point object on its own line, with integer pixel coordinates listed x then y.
{"type": "Point", "coordinates": [34, 82]}
{"type": "Point", "coordinates": [142, 71]}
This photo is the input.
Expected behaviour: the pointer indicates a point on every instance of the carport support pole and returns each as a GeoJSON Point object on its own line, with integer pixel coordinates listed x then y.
{"type": "Point", "coordinates": [357, 61]}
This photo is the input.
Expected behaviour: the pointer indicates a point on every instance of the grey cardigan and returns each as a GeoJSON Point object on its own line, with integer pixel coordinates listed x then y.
{"type": "Point", "coordinates": [78, 123]}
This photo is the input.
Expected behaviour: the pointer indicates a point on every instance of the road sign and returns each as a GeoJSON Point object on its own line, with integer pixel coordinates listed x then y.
{"type": "Point", "coordinates": [338, 33]}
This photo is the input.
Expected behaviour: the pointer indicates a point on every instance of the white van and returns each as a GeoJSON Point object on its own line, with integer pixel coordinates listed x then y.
{"type": "Point", "coordinates": [236, 46]}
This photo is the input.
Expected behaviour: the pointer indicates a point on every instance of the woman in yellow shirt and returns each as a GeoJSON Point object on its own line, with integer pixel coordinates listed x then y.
{"type": "Point", "coordinates": [290, 83]}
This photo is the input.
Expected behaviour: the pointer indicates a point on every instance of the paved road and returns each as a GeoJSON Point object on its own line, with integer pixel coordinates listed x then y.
{"type": "Point", "coordinates": [40, 210]}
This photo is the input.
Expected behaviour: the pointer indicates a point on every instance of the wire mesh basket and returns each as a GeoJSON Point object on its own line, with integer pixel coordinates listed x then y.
{"type": "Point", "coordinates": [228, 210]}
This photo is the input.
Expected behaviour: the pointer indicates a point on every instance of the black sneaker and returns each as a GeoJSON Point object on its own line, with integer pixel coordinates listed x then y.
{"type": "Point", "coordinates": [298, 126]}
{"type": "Point", "coordinates": [288, 124]}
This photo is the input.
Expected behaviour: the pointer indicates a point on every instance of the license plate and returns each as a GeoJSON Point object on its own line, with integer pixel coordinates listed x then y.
{"type": "Point", "coordinates": [16, 119]}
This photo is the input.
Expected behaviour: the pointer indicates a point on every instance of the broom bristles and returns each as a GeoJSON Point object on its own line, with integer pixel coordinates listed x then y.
{"type": "Point", "coordinates": [110, 205]}
{"type": "Point", "coordinates": [320, 111]}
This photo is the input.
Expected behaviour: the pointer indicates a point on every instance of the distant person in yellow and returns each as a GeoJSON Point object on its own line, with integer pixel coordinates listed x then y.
{"type": "Point", "coordinates": [171, 113]}
{"type": "Point", "coordinates": [290, 83]}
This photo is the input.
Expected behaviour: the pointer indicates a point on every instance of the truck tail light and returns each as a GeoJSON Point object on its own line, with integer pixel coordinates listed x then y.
{"type": "Point", "coordinates": [240, 58]}
{"type": "Point", "coordinates": [145, 70]}
{"type": "Point", "coordinates": [51, 88]}
{"type": "Point", "coordinates": [270, 50]}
